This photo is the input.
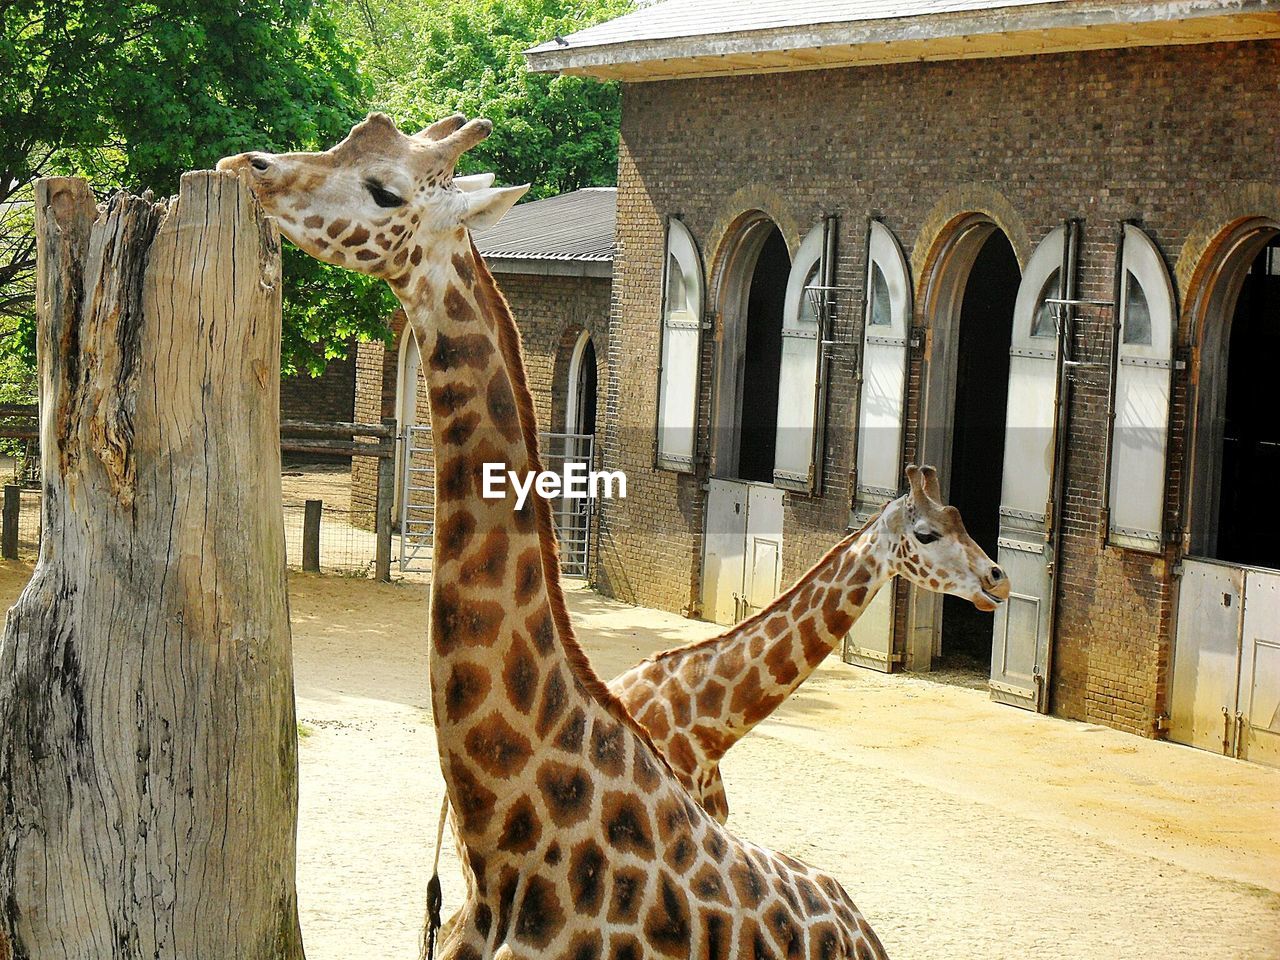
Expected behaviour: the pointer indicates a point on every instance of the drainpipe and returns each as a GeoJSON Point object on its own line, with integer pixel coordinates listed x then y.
{"type": "Point", "coordinates": [1062, 419]}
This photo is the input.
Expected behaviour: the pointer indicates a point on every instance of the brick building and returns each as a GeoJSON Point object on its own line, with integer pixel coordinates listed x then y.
{"type": "Point", "coordinates": [842, 227]}
{"type": "Point", "coordinates": [552, 259]}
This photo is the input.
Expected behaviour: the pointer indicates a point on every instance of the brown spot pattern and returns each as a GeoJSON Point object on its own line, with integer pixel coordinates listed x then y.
{"type": "Point", "coordinates": [465, 350]}
{"type": "Point", "coordinates": [499, 749]}
{"type": "Point", "coordinates": [502, 407]}
{"type": "Point", "coordinates": [460, 621]}
{"type": "Point", "coordinates": [486, 566]}
{"type": "Point", "coordinates": [465, 690]}
{"type": "Point", "coordinates": [520, 675]}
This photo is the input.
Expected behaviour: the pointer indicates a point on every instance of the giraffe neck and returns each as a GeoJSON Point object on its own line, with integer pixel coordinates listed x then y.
{"type": "Point", "coordinates": [732, 682]}
{"type": "Point", "coordinates": [505, 668]}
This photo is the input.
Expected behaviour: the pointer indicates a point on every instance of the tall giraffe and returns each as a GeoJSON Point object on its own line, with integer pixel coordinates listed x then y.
{"type": "Point", "coordinates": [578, 840]}
{"type": "Point", "coordinates": [697, 701]}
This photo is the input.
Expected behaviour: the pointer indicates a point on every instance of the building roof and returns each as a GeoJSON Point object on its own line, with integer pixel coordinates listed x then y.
{"type": "Point", "coordinates": [688, 38]}
{"type": "Point", "coordinates": [574, 230]}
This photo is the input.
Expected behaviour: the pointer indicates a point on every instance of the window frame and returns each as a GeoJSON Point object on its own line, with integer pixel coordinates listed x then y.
{"type": "Point", "coordinates": [680, 246]}
{"type": "Point", "coordinates": [1139, 259]}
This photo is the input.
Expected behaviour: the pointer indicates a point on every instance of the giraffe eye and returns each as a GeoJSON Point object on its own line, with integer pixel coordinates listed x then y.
{"type": "Point", "coordinates": [382, 196]}
{"type": "Point", "coordinates": [926, 537]}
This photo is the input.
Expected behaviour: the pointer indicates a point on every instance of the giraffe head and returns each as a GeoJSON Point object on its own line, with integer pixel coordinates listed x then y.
{"type": "Point", "coordinates": [376, 201]}
{"type": "Point", "coordinates": [929, 545]}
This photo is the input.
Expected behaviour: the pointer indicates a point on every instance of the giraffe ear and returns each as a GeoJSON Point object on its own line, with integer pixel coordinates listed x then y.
{"type": "Point", "coordinates": [931, 485]}
{"type": "Point", "coordinates": [913, 477]}
{"type": "Point", "coordinates": [476, 181]}
{"type": "Point", "coordinates": [487, 206]}
{"type": "Point", "coordinates": [441, 128]}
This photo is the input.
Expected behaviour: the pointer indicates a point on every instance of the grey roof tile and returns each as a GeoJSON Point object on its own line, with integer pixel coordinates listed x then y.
{"type": "Point", "coordinates": [573, 226]}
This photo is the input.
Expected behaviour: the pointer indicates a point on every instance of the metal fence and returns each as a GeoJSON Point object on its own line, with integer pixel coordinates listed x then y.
{"type": "Point", "coordinates": [344, 539]}
{"type": "Point", "coordinates": [19, 522]}
{"type": "Point", "coordinates": [571, 455]}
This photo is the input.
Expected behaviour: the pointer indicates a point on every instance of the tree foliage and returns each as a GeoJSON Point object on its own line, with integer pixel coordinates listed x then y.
{"type": "Point", "coordinates": [432, 57]}
{"type": "Point", "coordinates": [130, 94]}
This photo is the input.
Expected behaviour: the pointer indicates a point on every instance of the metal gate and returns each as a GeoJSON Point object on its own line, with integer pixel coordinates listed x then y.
{"type": "Point", "coordinates": [1226, 669]}
{"type": "Point", "coordinates": [417, 499]}
{"type": "Point", "coordinates": [573, 515]}
{"type": "Point", "coordinates": [563, 453]}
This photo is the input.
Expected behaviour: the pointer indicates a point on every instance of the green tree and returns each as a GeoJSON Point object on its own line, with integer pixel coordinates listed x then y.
{"type": "Point", "coordinates": [430, 58]}
{"type": "Point", "coordinates": [130, 94]}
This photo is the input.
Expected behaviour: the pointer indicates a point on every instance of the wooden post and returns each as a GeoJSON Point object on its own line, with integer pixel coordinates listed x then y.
{"type": "Point", "coordinates": [9, 522]}
{"type": "Point", "coordinates": [311, 535]}
{"type": "Point", "coordinates": [148, 754]}
{"type": "Point", "coordinates": [382, 524]}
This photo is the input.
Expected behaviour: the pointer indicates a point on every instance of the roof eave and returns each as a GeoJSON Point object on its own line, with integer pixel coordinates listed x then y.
{"type": "Point", "coordinates": [540, 266]}
{"type": "Point", "coordinates": [1011, 31]}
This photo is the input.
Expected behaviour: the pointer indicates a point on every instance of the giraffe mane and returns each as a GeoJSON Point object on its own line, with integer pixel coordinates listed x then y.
{"type": "Point", "coordinates": [509, 342]}
{"type": "Point", "coordinates": [768, 611]}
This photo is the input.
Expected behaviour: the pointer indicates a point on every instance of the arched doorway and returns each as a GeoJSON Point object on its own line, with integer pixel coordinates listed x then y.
{"type": "Point", "coordinates": [580, 409]}
{"type": "Point", "coordinates": [978, 428]}
{"type": "Point", "coordinates": [990, 418]}
{"type": "Point", "coordinates": [573, 515]}
{"type": "Point", "coordinates": [408, 364]}
{"type": "Point", "coordinates": [752, 296]}
{"type": "Point", "coordinates": [970, 304]}
{"type": "Point", "coordinates": [1237, 450]}
{"type": "Point", "coordinates": [1225, 691]}
{"type": "Point", "coordinates": [742, 533]}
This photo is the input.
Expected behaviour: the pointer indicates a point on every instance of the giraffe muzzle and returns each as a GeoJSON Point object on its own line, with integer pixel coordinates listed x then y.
{"type": "Point", "coordinates": [995, 588]}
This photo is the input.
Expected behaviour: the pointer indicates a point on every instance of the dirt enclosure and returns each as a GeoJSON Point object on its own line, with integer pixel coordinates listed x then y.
{"type": "Point", "coordinates": [963, 829]}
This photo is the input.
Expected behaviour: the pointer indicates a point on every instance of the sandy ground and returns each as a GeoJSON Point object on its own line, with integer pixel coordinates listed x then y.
{"type": "Point", "coordinates": [962, 828]}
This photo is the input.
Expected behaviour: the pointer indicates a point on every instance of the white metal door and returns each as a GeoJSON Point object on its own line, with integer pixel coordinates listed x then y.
{"type": "Point", "coordinates": [1140, 397]}
{"type": "Point", "coordinates": [1020, 645]}
{"type": "Point", "coordinates": [1259, 689]}
{"type": "Point", "coordinates": [742, 553]}
{"type": "Point", "coordinates": [724, 549]}
{"type": "Point", "coordinates": [683, 297]}
{"type": "Point", "coordinates": [763, 580]}
{"type": "Point", "coordinates": [881, 404]}
{"type": "Point", "coordinates": [796, 455]}
{"type": "Point", "coordinates": [869, 642]}
{"type": "Point", "coordinates": [1206, 655]}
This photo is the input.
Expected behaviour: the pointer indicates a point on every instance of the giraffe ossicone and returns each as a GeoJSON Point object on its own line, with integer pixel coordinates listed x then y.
{"type": "Point", "coordinates": [575, 837]}
{"type": "Point", "coordinates": [697, 701]}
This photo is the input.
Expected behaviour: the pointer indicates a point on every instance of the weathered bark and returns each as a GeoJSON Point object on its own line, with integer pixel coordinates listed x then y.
{"type": "Point", "coordinates": [148, 752]}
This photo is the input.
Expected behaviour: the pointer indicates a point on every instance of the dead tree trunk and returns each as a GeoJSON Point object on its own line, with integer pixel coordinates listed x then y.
{"type": "Point", "coordinates": [148, 752]}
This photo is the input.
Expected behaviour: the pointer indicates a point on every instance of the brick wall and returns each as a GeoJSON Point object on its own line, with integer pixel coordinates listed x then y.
{"type": "Point", "coordinates": [375, 399]}
{"type": "Point", "coordinates": [330, 396]}
{"type": "Point", "coordinates": [1164, 136]}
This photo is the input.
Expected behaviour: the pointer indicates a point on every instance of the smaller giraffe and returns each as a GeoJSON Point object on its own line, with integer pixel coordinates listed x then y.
{"type": "Point", "coordinates": [697, 701]}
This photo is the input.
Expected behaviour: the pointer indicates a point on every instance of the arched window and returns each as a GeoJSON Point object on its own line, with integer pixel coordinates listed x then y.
{"type": "Point", "coordinates": [884, 371]}
{"type": "Point", "coordinates": [797, 457]}
{"type": "Point", "coordinates": [682, 307]}
{"type": "Point", "coordinates": [1142, 372]}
